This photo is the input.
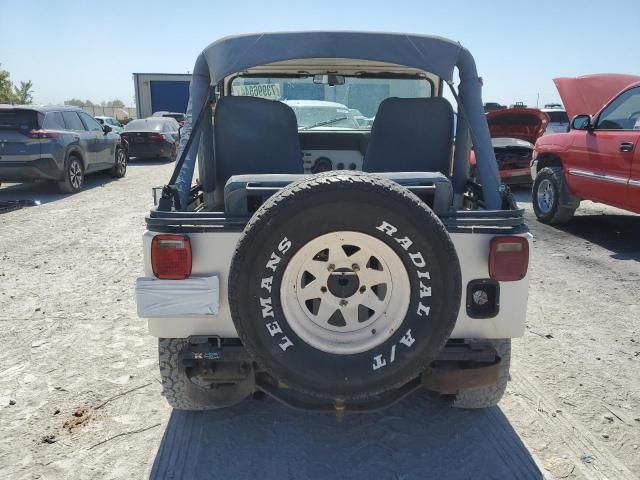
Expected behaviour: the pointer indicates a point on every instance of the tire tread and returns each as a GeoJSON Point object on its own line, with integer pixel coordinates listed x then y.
{"type": "Point", "coordinates": [484, 397]}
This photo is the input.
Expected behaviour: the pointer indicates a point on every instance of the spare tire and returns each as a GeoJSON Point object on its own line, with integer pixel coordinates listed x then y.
{"type": "Point", "coordinates": [344, 286]}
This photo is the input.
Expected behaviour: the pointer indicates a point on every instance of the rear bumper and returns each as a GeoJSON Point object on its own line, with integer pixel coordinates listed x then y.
{"type": "Point", "coordinates": [149, 150]}
{"type": "Point", "coordinates": [516, 176]}
{"type": "Point", "coordinates": [21, 171]}
{"type": "Point", "coordinates": [458, 367]}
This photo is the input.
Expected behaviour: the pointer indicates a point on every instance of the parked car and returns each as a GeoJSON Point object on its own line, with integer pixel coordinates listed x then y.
{"type": "Point", "coordinates": [153, 137]}
{"type": "Point", "coordinates": [363, 121]}
{"type": "Point", "coordinates": [339, 291]}
{"type": "Point", "coordinates": [558, 119]}
{"type": "Point", "coordinates": [312, 114]}
{"type": "Point", "coordinates": [599, 158]}
{"type": "Point", "coordinates": [493, 106]}
{"type": "Point", "coordinates": [59, 143]}
{"type": "Point", "coordinates": [179, 117]}
{"type": "Point", "coordinates": [116, 126]}
{"type": "Point", "coordinates": [513, 134]}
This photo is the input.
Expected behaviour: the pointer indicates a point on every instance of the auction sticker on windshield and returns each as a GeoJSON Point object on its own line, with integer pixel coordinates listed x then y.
{"type": "Point", "coordinates": [270, 91]}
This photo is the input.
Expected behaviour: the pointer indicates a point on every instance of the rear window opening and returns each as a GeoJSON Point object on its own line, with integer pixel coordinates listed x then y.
{"type": "Point", "coordinates": [351, 105]}
{"type": "Point", "coordinates": [18, 119]}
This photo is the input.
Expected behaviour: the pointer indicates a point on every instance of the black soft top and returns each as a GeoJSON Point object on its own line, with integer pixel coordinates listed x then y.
{"type": "Point", "coordinates": [432, 54]}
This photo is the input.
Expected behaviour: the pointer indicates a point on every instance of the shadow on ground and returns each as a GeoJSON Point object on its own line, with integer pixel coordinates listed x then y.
{"type": "Point", "coordinates": [46, 192]}
{"type": "Point", "coordinates": [617, 233]}
{"type": "Point", "coordinates": [418, 438]}
{"type": "Point", "coordinates": [140, 161]}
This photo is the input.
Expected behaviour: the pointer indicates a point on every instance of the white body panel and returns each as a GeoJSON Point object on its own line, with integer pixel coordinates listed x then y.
{"type": "Point", "coordinates": [212, 253]}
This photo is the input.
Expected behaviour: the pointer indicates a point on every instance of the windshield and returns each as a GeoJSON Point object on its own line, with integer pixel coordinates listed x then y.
{"type": "Point", "coordinates": [321, 106]}
{"type": "Point", "coordinates": [559, 116]}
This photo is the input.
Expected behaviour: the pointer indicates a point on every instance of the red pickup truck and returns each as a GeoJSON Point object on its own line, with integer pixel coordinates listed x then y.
{"type": "Point", "coordinates": [598, 159]}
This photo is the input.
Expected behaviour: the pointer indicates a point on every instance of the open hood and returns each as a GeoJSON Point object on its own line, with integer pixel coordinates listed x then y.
{"type": "Point", "coordinates": [523, 123]}
{"type": "Point", "coordinates": [588, 94]}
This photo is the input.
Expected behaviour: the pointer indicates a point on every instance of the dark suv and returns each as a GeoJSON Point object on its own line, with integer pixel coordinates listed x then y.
{"type": "Point", "coordinates": [56, 143]}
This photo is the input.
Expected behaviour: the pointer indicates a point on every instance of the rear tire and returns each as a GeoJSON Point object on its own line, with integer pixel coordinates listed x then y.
{"type": "Point", "coordinates": [119, 168]}
{"type": "Point", "coordinates": [176, 385]}
{"type": "Point", "coordinates": [73, 175]}
{"type": "Point", "coordinates": [546, 197]}
{"type": "Point", "coordinates": [484, 397]}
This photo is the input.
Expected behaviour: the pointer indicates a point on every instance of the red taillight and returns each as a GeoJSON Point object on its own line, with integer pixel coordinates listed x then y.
{"type": "Point", "coordinates": [508, 258]}
{"type": "Point", "coordinates": [43, 134]}
{"type": "Point", "coordinates": [171, 257]}
{"type": "Point", "coordinates": [157, 137]}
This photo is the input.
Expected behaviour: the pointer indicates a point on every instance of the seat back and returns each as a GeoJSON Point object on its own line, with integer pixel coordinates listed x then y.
{"type": "Point", "coordinates": [411, 135]}
{"type": "Point", "coordinates": [254, 136]}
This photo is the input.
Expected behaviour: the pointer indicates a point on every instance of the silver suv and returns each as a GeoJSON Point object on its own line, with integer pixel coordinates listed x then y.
{"type": "Point", "coordinates": [58, 143]}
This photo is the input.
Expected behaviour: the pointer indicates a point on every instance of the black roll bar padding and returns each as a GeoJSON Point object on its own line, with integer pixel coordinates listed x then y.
{"type": "Point", "coordinates": [170, 195]}
{"type": "Point", "coordinates": [433, 54]}
{"type": "Point", "coordinates": [486, 165]}
{"type": "Point", "coordinates": [461, 153]}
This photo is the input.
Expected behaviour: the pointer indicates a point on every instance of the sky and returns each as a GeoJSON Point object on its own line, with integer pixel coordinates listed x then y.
{"type": "Point", "coordinates": [89, 49]}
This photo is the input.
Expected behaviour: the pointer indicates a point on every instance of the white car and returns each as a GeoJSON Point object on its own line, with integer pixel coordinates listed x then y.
{"type": "Point", "coordinates": [321, 114]}
{"type": "Point", "coordinates": [558, 119]}
{"type": "Point", "coordinates": [116, 126]}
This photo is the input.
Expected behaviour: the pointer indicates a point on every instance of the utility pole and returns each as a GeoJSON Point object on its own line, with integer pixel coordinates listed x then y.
{"type": "Point", "coordinates": [537, 99]}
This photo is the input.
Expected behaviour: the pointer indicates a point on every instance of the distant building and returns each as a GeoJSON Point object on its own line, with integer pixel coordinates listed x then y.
{"type": "Point", "coordinates": [161, 92]}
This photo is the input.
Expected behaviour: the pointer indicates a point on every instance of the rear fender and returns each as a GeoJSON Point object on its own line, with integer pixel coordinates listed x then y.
{"type": "Point", "coordinates": [74, 149]}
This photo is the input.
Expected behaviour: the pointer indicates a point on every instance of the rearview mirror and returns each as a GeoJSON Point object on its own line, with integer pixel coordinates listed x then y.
{"type": "Point", "coordinates": [329, 79]}
{"type": "Point", "coordinates": [106, 129]}
{"type": "Point", "coordinates": [581, 122]}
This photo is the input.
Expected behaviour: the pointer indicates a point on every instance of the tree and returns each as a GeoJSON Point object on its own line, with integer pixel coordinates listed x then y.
{"type": "Point", "coordinates": [74, 102]}
{"type": "Point", "coordinates": [6, 95]}
{"type": "Point", "coordinates": [10, 93]}
{"type": "Point", "coordinates": [24, 93]}
{"type": "Point", "coordinates": [113, 103]}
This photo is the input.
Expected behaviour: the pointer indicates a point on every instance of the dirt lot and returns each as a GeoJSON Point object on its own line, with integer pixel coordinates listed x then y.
{"type": "Point", "coordinates": [80, 398]}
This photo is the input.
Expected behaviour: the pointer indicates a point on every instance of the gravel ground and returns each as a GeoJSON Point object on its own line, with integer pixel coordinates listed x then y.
{"type": "Point", "coordinates": [80, 398]}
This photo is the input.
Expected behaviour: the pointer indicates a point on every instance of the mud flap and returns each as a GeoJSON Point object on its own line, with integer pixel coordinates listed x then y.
{"type": "Point", "coordinates": [449, 380]}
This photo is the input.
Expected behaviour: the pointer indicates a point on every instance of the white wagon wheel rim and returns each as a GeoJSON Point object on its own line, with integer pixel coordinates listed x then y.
{"type": "Point", "coordinates": [345, 292]}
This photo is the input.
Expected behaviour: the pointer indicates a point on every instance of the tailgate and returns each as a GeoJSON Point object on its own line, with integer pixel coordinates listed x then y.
{"type": "Point", "coordinates": [17, 143]}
